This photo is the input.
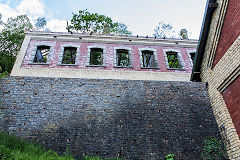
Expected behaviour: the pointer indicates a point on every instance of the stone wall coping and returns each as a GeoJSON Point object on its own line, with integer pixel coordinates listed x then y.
{"type": "Point", "coordinates": [57, 36]}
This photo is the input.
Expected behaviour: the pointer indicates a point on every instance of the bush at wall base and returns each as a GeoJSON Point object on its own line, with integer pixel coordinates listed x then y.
{"type": "Point", "coordinates": [214, 150]}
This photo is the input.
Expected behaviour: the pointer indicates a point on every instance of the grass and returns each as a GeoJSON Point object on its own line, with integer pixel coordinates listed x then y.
{"type": "Point", "coordinates": [13, 148]}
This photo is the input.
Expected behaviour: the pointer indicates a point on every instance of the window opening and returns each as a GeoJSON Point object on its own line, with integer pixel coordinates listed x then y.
{"type": "Point", "coordinates": [173, 61]}
{"type": "Point", "coordinates": [122, 57]}
{"type": "Point", "coordinates": [41, 54]}
{"type": "Point", "coordinates": [96, 56]}
{"type": "Point", "coordinates": [148, 59]}
{"type": "Point", "coordinates": [192, 56]}
{"type": "Point", "coordinates": [69, 55]}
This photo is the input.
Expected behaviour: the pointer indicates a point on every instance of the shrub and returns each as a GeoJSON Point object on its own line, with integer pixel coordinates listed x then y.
{"type": "Point", "coordinates": [214, 150]}
{"type": "Point", "coordinates": [170, 157]}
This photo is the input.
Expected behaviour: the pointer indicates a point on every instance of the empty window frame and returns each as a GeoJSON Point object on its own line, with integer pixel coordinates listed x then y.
{"type": "Point", "coordinates": [148, 59]}
{"type": "Point", "coordinates": [122, 58]}
{"type": "Point", "coordinates": [69, 55]}
{"type": "Point", "coordinates": [192, 56]}
{"type": "Point", "coordinates": [42, 54]}
{"type": "Point", "coordinates": [173, 60]}
{"type": "Point", "coordinates": [96, 56]}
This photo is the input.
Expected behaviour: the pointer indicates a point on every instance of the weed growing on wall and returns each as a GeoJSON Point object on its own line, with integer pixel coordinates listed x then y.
{"type": "Point", "coordinates": [213, 150]}
{"type": "Point", "coordinates": [170, 157]}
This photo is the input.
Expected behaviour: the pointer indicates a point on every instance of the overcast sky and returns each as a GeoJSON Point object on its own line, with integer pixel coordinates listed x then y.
{"type": "Point", "coordinates": [141, 16]}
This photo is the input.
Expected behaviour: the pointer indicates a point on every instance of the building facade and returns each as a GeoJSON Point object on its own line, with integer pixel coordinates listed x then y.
{"type": "Point", "coordinates": [218, 63]}
{"type": "Point", "coordinates": [104, 57]}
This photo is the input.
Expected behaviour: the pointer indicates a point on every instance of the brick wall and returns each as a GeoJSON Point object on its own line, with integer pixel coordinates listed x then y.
{"type": "Point", "coordinates": [231, 97]}
{"type": "Point", "coordinates": [230, 30]}
{"type": "Point", "coordinates": [225, 70]}
{"type": "Point", "coordinates": [110, 118]}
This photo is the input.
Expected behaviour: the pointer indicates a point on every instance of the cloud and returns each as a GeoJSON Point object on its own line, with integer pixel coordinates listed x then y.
{"type": "Point", "coordinates": [7, 12]}
{"type": "Point", "coordinates": [56, 25]}
{"type": "Point", "coordinates": [33, 8]}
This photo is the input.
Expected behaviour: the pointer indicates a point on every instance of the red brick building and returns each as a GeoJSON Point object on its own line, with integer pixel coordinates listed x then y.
{"type": "Point", "coordinates": [218, 63]}
{"type": "Point", "coordinates": [104, 57]}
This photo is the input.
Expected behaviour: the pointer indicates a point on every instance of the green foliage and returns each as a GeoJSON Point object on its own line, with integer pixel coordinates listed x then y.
{"type": "Point", "coordinates": [122, 58]}
{"type": "Point", "coordinates": [1, 19]}
{"type": "Point", "coordinates": [4, 75]}
{"type": "Point", "coordinates": [170, 157]}
{"type": "Point", "coordinates": [87, 22]}
{"type": "Point", "coordinates": [40, 22]}
{"type": "Point", "coordinates": [11, 38]}
{"type": "Point", "coordinates": [213, 149]}
{"type": "Point", "coordinates": [13, 34]}
{"type": "Point", "coordinates": [5, 153]}
{"type": "Point", "coordinates": [121, 29]}
{"type": "Point", "coordinates": [13, 148]}
{"type": "Point", "coordinates": [69, 56]}
{"type": "Point", "coordinates": [6, 62]}
{"type": "Point", "coordinates": [184, 33]}
{"type": "Point", "coordinates": [173, 61]}
{"type": "Point", "coordinates": [96, 57]}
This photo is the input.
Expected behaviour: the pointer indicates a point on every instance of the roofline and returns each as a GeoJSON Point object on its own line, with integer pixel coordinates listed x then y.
{"type": "Point", "coordinates": [209, 10]}
{"type": "Point", "coordinates": [119, 37]}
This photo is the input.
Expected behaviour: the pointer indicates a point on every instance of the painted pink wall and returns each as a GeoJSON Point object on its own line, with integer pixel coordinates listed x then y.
{"type": "Point", "coordinates": [109, 56]}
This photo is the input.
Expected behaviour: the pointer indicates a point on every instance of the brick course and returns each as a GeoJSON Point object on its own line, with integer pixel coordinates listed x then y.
{"type": "Point", "coordinates": [110, 118]}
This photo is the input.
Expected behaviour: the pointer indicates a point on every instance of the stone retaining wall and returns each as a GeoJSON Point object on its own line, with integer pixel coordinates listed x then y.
{"type": "Point", "coordinates": [110, 118]}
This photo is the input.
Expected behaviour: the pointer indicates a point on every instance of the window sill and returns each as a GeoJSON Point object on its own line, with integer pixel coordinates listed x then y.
{"type": "Point", "coordinates": [149, 68]}
{"type": "Point", "coordinates": [95, 66]}
{"type": "Point", "coordinates": [68, 64]}
{"type": "Point", "coordinates": [180, 69]}
{"type": "Point", "coordinates": [38, 63]}
{"type": "Point", "coordinates": [122, 67]}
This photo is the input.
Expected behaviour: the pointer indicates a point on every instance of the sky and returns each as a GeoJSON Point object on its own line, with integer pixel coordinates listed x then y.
{"type": "Point", "coordinates": [141, 16]}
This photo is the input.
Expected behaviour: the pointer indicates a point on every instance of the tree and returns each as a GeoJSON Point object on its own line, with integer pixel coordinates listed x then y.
{"type": "Point", "coordinates": [122, 29]}
{"type": "Point", "coordinates": [1, 19]}
{"type": "Point", "coordinates": [164, 30]}
{"type": "Point", "coordinates": [11, 38]}
{"type": "Point", "coordinates": [87, 22]}
{"type": "Point", "coordinates": [184, 34]}
{"type": "Point", "coordinates": [40, 22]}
